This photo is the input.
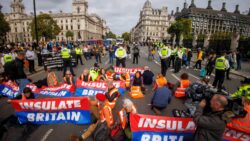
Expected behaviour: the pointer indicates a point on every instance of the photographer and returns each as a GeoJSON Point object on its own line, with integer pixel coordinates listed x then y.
{"type": "Point", "coordinates": [242, 124]}
{"type": "Point", "coordinates": [210, 125]}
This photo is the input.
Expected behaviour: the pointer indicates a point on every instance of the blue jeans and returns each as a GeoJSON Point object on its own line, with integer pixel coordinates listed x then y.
{"type": "Point", "coordinates": [111, 58]}
{"type": "Point", "coordinates": [22, 84]}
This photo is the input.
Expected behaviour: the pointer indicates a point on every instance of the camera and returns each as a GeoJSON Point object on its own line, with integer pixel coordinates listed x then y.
{"type": "Point", "coordinates": [198, 92]}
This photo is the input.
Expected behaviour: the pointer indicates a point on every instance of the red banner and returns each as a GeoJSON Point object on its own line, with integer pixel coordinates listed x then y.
{"type": "Point", "coordinates": [131, 71]}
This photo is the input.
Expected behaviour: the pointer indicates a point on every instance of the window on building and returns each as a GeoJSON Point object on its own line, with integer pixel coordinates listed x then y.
{"type": "Point", "coordinates": [78, 9]}
{"type": "Point", "coordinates": [71, 20]}
{"type": "Point", "coordinates": [66, 27]}
{"type": "Point", "coordinates": [66, 21]}
{"type": "Point", "coordinates": [15, 29]}
{"type": "Point", "coordinates": [61, 27]}
{"type": "Point", "coordinates": [79, 26]}
{"type": "Point", "coordinates": [61, 21]}
{"type": "Point", "coordinates": [23, 29]}
{"type": "Point", "coordinates": [71, 27]}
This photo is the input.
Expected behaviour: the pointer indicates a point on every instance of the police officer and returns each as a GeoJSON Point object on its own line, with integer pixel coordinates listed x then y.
{"type": "Point", "coordinates": [65, 54]}
{"type": "Point", "coordinates": [221, 65]}
{"type": "Point", "coordinates": [172, 57]}
{"type": "Point", "coordinates": [164, 53]}
{"type": "Point", "coordinates": [120, 55]}
{"type": "Point", "coordinates": [78, 51]}
{"type": "Point", "coordinates": [178, 60]}
{"type": "Point", "coordinates": [7, 58]}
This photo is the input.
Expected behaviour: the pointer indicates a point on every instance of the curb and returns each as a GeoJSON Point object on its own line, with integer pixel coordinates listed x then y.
{"type": "Point", "coordinates": [234, 73]}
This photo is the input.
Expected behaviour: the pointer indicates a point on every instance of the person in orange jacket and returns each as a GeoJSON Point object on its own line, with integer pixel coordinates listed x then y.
{"type": "Point", "coordinates": [181, 86]}
{"type": "Point", "coordinates": [160, 79]}
{"type": "Point", "coordinates": [242, 124]}
{"type": "Point", "coordinates": [111, 95]}
{"type": "Point", "coordinates": [126, 78]}
{"type": "Point", "coordinates": [124, 116]}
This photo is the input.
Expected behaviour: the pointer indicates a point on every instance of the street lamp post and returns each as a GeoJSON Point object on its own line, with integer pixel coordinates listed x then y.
{"type": "Point", "coordinates": [34, 5]}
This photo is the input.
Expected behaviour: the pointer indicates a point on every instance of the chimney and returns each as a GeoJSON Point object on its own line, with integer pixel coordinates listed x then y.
{"type": "Point", "coordinates": [50, 12]}
{"type": "Point", "coordinates": [177, 9]}
{"type": "Point", "coordinates": [172, 13]}
{"type": "Point", "coordinates": [61, 11]}
{"type": "Point", "coordinates": [185, 5]}
{"type": "Point", "coordinates": [192, 5]}
{"type": "Point", "coordinates": [209, 6]}
{"type": "Point", "coordinates": [224, 7]}
{"type": "Point", "coordinates": [237, 9]}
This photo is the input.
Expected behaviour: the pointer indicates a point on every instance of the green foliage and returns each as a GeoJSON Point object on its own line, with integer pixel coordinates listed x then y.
{"type": "Point", "coordinates": [46, 27]}
{"type": "Point", "coordinates": [4, 27]}
{"type": "Point", "coordinates": [221, 36]}
{"type": "Point", "coordinates": [126, 36]}
{"type": "Point", "coordinates": [69, 34]}
{"type": "Point", "coordinates": [111, 35]}
{"type": "Point", "coordinates": [181, 26]}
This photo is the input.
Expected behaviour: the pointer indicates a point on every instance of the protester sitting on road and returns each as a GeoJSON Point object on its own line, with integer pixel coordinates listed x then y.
{"type": "Point", "coordinates": [51, 78]}
{"type": "Point", "coordinates": [242, 124]}
{"type": "Point", "coordinates": [148, 76]}
{"type": "Point", "coordinates": [181, 86]}
{"type": "Point", "coordinates": [112, 94]}
{"type": "Point", "coordinates": [27, 94]}
{"type": "Point", "coordinates": [68, 78]}
{"type": "Point", "coordinates": [85, 75]}
{"type": "Point", "coordinates": [161, 97]}
{"type": "Point", "coordinates": [210, 125]}
{"type": "Point", "coordinates": [110, 75]}
{"type": "Point", "coordinates": [102, 76]}
{"type": "Point", "coordinates": [159, 79]}
{"type": "Point", "coordinates": [138, 81]}
{"type": "Point", "coordinates": [124, 116]}
{"type": "Point", "coordinates": [126, 78]}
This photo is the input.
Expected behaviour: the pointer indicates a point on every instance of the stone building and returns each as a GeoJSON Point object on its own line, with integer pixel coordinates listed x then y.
{"type": "Point", "coordinates": [152, 25]}
{"type": "Point", "coordinates": [209, 21]}
{"type": "Point", "coordinates": [84, 25]}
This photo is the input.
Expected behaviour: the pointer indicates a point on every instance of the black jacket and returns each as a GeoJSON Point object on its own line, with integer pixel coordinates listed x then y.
{"type": "Point", "coordinates": [20, 70]}
{"type": "Point", "coordinates": [210, 126]}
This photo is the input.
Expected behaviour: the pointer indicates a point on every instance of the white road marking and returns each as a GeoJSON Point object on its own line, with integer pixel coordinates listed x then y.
{"type": "Point", "coordinates": [47, 134]}
{"type": "Point", "coordinates": [194, 76]}
{"type": "Point", "coordinates": [175, 77]}
{"type": "Point", "coordinates": [157, 62]}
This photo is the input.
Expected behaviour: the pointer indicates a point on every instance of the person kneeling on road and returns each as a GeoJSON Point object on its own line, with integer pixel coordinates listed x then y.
{"type": "Point", "coordinates": [242, 124]}
{"type": "Point", "coordinates": [211, 125]}
{"type": "Point", "coordinates": [181, 86]}
{"type": "Point", "coordinates": [27, 94]}
{"type": "Point", "coordinates": [161, 97]}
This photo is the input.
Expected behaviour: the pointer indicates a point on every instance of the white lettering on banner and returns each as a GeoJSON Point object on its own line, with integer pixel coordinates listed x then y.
{"type": "Point", "coordinates": [61, 93]}
{"type": "Point", "coordinates": [50, 105]}
{"type": "Point", "coordinates": [165, 124]}
{"type": "Point", "coordinates": [146, 137]}
{"type": "Point", "coordinates": [87, 92]}
{"type": "Point", "coordinates": [64, 86]}
{"type": "Point", "coordinates": [237, 135]}
{"type": "Point", "coordinates": [8, 92]}
{"type": "Point", "coordinates": [98, 85]}
{"type": "Point", "coordinates": [12, 85]}
{"type": "Point", "coordinates": [41, 117]}
{"type": "Point", "coordinates": [129, 70]}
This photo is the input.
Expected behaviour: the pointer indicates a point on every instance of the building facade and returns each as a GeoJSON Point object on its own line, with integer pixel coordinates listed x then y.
{"type": "Point", "coordinates": [84, 25]}
{"type": "Point", "coordinates": [152, 25]}
{"type": "Point", "coordinates": [208, 21]}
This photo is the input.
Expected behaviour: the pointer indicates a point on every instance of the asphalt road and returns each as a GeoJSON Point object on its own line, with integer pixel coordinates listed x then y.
{"type": "Point", "coordinates": [62, 132]}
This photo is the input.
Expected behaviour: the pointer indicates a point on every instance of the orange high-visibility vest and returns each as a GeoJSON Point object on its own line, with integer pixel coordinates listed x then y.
{"type": "Point", "coordinates": [123, 117]}
{"type": "Point", "coordinates": [180, 91]}
{"type": "Point", "coordinates": [23, 97]}
{"type": "Point", "coordinates": [106, 115]}
{"type": "Point", "coordinates": [109, 76]}
{"type": "Point", "coordinates": [112, 104]}
{"type": "Point", "coordinates": [135, 92]}
{"type": "Point", "coordinates": [127, 80]}
{"type": "Point", "coordinates": [241, 124]}
{"type": "Point", "coordinates": [70, 80]}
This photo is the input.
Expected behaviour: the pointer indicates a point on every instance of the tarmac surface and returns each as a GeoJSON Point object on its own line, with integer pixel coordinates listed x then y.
{"type": "Point", "coordinates": [62, 132]}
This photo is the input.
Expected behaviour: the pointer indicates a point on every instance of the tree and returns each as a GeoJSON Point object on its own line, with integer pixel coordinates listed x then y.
{"type": "Point", "coordinates": [180, 27]}
{"type": "Point", "coordinates": [46, 27]}
{"type": "Point", "coordinates": [69, 34]}
{"type": "Point", "coordinates": [4, 28]}
{"type": "Point", "coordinates": [126, 36]}
{"type": "Point", "coordinates": [111, 35]}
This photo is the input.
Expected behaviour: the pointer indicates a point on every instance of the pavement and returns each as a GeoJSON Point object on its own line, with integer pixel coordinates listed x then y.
{"type": "Point", "coordinates": [244, 72]}
{"type": "Point", "coordinates": [62, 132]}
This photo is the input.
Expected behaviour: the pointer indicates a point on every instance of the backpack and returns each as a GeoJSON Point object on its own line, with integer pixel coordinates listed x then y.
{"type": "Point", "coordinates": [203, 72]}
{"type": "Point", "coordinates": [184, 57]}
{"type": "Point", "coordinates": [101, 132]}
{"type": "Point", "coordinates": [117, 134]}
{"type": "Point", "coordinates": [195, 91]}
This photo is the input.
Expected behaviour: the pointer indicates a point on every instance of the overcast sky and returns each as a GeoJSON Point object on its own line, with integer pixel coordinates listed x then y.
{"type": "Point", "coordinates": [122, 15]}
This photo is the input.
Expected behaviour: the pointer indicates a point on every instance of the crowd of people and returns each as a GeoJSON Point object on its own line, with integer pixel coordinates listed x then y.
{"type": "Point", "coordinates": [210, 125]}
